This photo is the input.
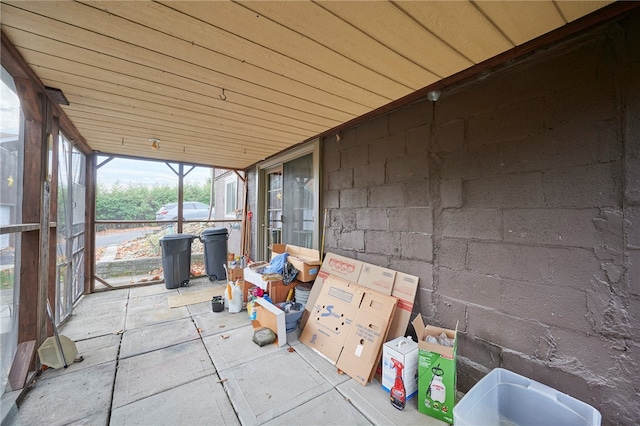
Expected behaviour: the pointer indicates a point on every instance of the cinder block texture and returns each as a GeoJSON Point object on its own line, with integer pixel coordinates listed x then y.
{"type": "Point", "coordinates": [450, 136]}
{"type": "Point", "coordinates": [415, 245]}
{"type": "Point", "coordinates": [507, 331]}
{"type": "Point", "coordinates": [479, 289]}
{"type": "Point", "coordinates": [351, 240]}
{"type": "Point", "coordinates": [411, 219]}
{"type": "Point", "coordinates": [451, 193]}
{"type": "Point", "coordinates": [485, 224]}
{"type": "Point", "coordinates": [372, 219]}
{"type": "Point", "coordinates": [508, 190]}
{"type": "Point", "coordinates": [387, 196]}
{"type": "Point", "coordinates": [417, 194]}
{"type": "Point", "coordinates": [383, 242]}
{"type": "Point", "coordinates": [567, 227]}
{"type": "Point", "coordinates": [373, 129]}
{"type": "Point", "coordinates": [418, 140]}
{"type": "Point", "coordinates": [340, 179]}
{"type": "Point", "coordinates": [353, 197]}
{"type": "Point", "coordinates": [367, 175]}
{"type": "Point", "coordinates": [387, 147]}
{"type": "Point", "coordinates": [512, 261]}
{"type": "Point", "coordinates": [411, 116]}
{"type": "Point", "coordinates": [413, 168]}
{"type": "Point", "coordinates": [515, 198]}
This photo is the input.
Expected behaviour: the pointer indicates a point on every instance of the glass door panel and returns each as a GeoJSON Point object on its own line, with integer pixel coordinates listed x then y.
{"type": "Point", "coordinates": [274, 208]}
{"type": "Point", "coordinates": [298, 205]}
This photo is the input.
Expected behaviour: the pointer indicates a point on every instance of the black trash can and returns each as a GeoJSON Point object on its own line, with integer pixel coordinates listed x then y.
{"type": "Point", "coordinates": [176, 259]}
{"type": "Point", "coordinates": [215, 252]}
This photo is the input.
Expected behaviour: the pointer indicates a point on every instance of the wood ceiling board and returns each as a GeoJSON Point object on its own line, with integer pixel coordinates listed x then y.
{"type": "Point", "coordinates": [302, 17]}
{"type": "Point", "coordinates": [573, 10]}
{"type": "Point", "coordinates": [139, 130]}
{"type": "Point", "coordinates": [103, 78]}
{"type": "Point", "coordinates": [241, 21]}
{"type": "Point", "coordinates": [212, 159]}
{"type": "Point", "coordinates": [137, 51]}
{"type": "Point", "coordinates": [461, 25]}
{"type": "Point", "coordinates": [35, 58]}
{"type": "Point", "coordinates": [106, 143]}
{"type": "Point", "coordinates": [196, 30]}
{"type": "Point", "coordinates": [522, 21]}
{"type": "Point", "coordinates": [391, 27]}
{"type": "Point", "coordinates": [159, 116]}
{"type": "Point", "coordinates": [179, 109]}
{"type": "Point", "coordinates": [80, 84]}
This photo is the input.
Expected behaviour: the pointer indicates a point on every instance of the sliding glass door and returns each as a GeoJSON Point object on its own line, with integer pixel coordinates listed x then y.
{"type": "Point", "coordinates": [289, 199]}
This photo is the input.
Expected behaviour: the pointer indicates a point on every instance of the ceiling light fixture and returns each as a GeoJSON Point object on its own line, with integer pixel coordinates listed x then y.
{"type": "Point", "coordinates": [433, 96]}
{"type": "Point", "coordinates": [155, 143]}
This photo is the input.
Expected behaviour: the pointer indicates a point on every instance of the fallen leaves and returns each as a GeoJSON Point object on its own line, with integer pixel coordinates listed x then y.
{"type": "Point", "coordinates": [224, 336]}
{"type": "Point", "coordinates": [291, 350]}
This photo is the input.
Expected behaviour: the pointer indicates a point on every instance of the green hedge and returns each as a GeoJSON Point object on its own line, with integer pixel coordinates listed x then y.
{"type": "Point", "coordinates": [140, 202]}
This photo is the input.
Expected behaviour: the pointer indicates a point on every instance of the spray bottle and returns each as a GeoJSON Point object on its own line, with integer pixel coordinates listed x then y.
{"type": "Point", "coordinates": [398, 395]}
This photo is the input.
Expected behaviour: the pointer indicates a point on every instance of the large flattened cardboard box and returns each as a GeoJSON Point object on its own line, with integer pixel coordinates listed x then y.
{"type": "Point", "coordinates": [400, 285]}
{"type": "Point", "coordinates": [436, 372]}
{"type": "Point", "coordinates": [305, 260]}
{"type": "Point", "coordinates": [348, 325]}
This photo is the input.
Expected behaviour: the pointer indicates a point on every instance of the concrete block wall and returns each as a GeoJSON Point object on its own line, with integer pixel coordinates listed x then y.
{"type": "Point", "coordinates": [516, 200]}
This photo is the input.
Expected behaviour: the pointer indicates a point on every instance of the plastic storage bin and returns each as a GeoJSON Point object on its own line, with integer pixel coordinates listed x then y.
{"type": "Point", "coordinates": [506, 398]}
{"type": "Point", "coordinates": [215, 252]}
{"type": "Point", "coordinates": [176, 259]}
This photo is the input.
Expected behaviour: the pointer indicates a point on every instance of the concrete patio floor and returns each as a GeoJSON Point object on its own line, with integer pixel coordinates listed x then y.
{"type": "Point", "coordinates": [146, 363]}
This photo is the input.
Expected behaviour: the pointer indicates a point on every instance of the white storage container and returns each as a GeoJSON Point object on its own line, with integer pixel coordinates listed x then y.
{"type": "Point", "coordinates": [506, 398]}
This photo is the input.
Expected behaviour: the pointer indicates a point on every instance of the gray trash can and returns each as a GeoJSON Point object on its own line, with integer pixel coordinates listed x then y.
{"type": "Point", "coordinates": [215, 252]}
{"type": "Point", "coordinates": [176, 259]}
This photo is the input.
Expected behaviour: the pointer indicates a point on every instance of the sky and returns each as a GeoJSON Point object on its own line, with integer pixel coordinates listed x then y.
{"type": "Point", "coordinates": [147, 173]}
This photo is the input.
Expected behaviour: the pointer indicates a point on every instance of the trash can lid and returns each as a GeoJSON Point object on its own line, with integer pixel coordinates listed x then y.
{"type": "Point", "coordinates": [178, 237]}
{"type": "Point", "coordinates": [214, 231]}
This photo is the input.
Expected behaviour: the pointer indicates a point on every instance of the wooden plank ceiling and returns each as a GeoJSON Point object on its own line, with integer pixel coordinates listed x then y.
{"type": "Point", "coordinates": [231, 83]}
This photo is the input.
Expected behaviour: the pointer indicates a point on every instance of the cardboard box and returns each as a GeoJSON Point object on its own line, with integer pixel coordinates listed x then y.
{"type": "Point", "coordinates": [377, 278]}
{"type": "Point", "coordinates": [347, 325]}
{"type": "Point", "coordinates": [278, 291]}
{"type": "Point", "coordinates": [405, 351]}
{"type": "Point", "coordinates": [363, 347]}
{"type": "Point", "coordinates": [306, 261]}
{"type": "Point", "coordinates": [336, 266]}
{"type": "Point", "coordinates": [331, 318]}
{"type": "Point", "coordinates": [405, 288]}
{"type": "Point", "coordinates": [272, 317]}
{"type": "Point", "coordinates": [235, 274]}
{"type": "Point", "coordinates": [436, 372]}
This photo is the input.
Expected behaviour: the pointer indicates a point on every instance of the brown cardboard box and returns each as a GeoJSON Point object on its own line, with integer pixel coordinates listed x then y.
{"type": "Point", "coordinates": [405, 287]}
{"type": "Point", "coordinates": [278, 291]}
{"type": "Point", "coordinates": [306, 261]}
{"type": "Point", "coordinates": [336, 266]}
{"type": "Point", "coordinates": [401, 285]}
{"type": "Point", "coordinates": [363, 347]}
{"type": "Point", "coordinates": [377, 278]}
{"type": "Point", "coordinates": [235, 274]}
{"type": "Point", "coordinates": [272, 317]}
{"type": "Point", "coordinates": [348, 324]}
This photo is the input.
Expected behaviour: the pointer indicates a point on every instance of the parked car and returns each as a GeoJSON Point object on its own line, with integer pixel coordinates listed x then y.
{"type": "Point", "coordinates": [191, 210]}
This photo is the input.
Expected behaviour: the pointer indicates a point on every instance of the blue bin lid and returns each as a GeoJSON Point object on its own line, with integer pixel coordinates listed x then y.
{"type": "Point", "coordinates": [214, 231]}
